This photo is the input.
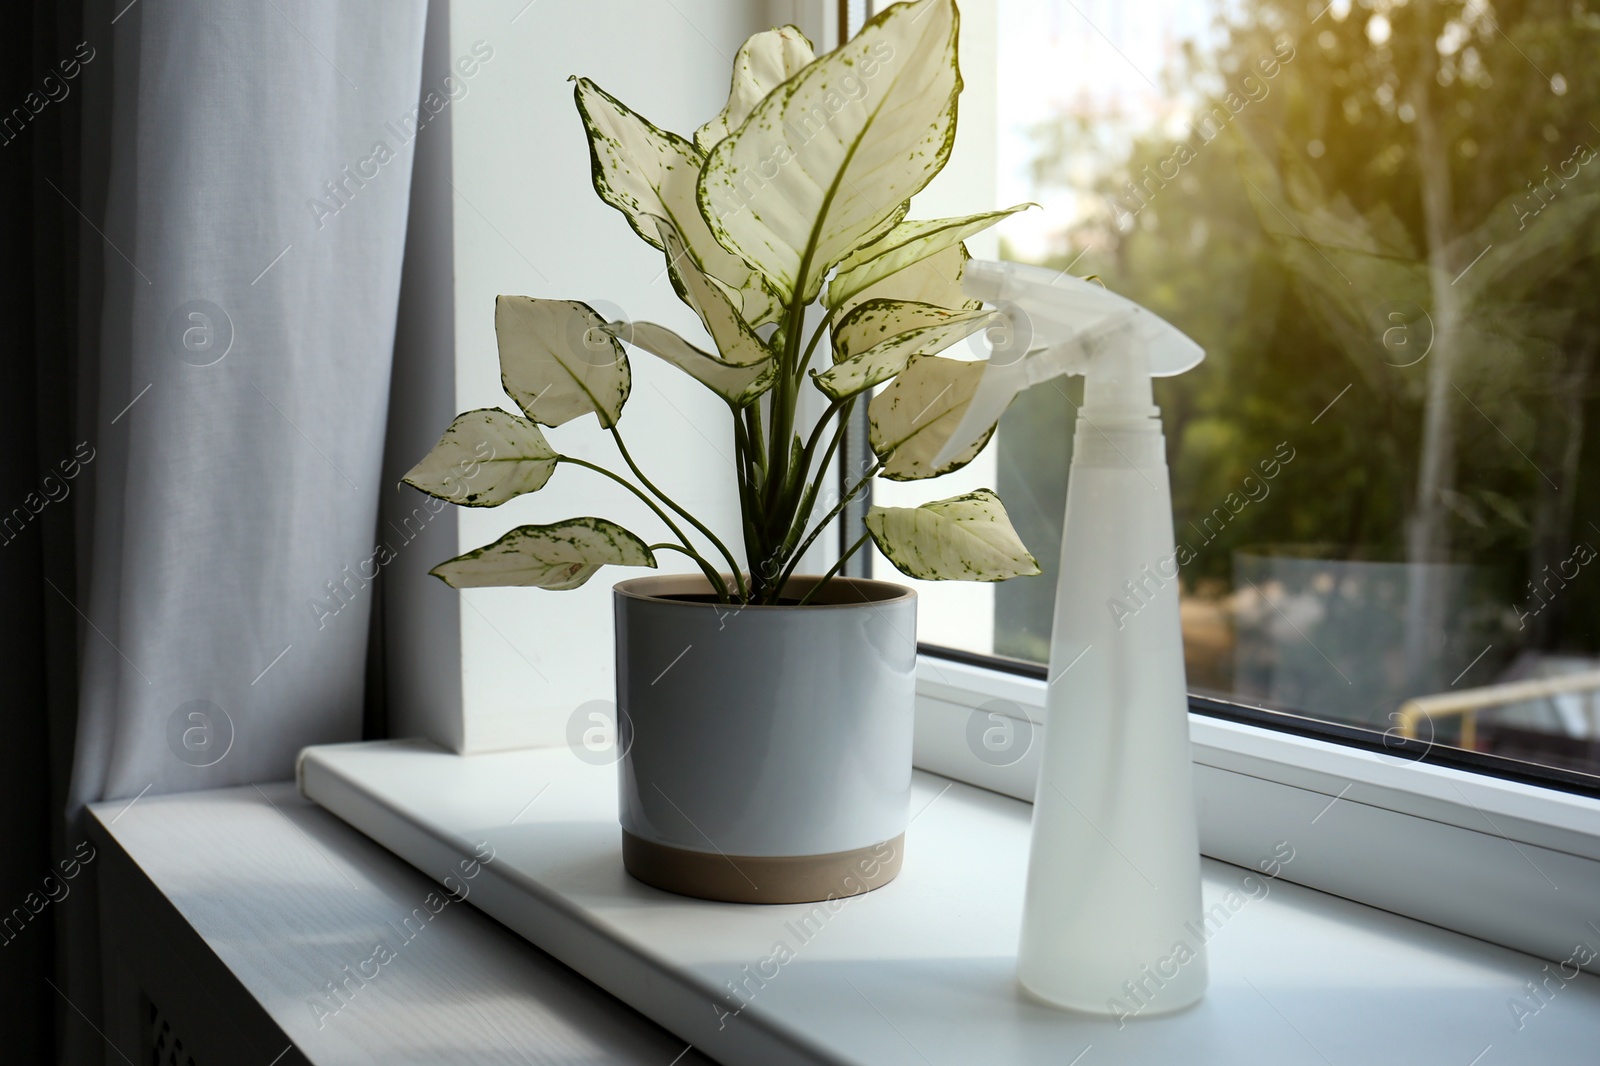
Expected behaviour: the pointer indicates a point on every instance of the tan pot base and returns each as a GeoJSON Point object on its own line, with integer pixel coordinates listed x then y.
{"type": "Point", "coordinates": [762, 878]}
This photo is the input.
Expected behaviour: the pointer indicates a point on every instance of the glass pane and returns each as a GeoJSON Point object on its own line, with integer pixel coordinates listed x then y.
{"type": "Point", "coordinates": [855, 13]}
{"type": "Point", "coordinates": [1381, 220]}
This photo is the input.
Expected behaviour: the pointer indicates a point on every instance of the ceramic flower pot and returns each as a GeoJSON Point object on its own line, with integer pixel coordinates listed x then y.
{"type": "Point", "coordinates": [767, 750]}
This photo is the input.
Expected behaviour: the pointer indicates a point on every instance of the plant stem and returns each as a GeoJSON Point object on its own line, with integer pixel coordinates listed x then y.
{"type": "Point", "coordinates": [797, 495]}
{"type": "Point", "coordinates": [822, 423]}
{"type": "Point", "coordinates": [753, 432]}
{"type": "Point", "coordinates": [687, 549]}
{"type": "Point", "coordinates": [834, 569]}
{"type": "Point", "coordinates": [780, 497]}
{"type": "Point", "coordinates": [757, 439]}
{"type": "Point", "coordinates": [811, 346]}
{"type": "Point", "coordinates": [681, 550]}
{"type": "Point", "coordinates": [749, 484]}
{"type": "Point", "coordinates": [802, 512]}
{"type": "Point", "coordinates": [854, 491]}
{"type": "Point", "coordinates": [801, 470]}
{"type": "Point", "coordinates": [738, 575]}
{"type": "Point", "coordinates": [783, 404]}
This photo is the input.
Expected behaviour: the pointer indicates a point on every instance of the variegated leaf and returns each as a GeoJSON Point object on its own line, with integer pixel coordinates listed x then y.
{"type": "Point", "coordinates": [935, 280]}
{"type": "Point", "coordinates": [559, 556]}
{"type": "Point", "coordinates": [734, 337]}
{"type": "Point", "coordinates": [764, 62]}
{"type": "Point", "coordinates": [739, 385]}
{"type": "Point", "coordinates": [907, 243]}
{"type": "Point", "coordinates": [558, 362]}
{"type": "Point", "coordinates": [485, 458]}
{"type": "Point", "coordinates": [964, 538]}
{"type": "Point", "coordinates": [645, 172]}
{"type": "Point", "coordinates": [830, 159]}
{"type": "Point", "coordinates": [875, 341]}
{"type": "Point", "coordinates": [910, 420]}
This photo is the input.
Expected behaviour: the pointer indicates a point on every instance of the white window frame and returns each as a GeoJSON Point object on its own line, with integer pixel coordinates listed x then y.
{"type": "Point", "coordinates": [1513, 863]}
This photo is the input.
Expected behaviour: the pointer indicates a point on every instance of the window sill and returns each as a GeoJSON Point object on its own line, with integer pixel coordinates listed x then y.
{"type": "Point", "coordinates": [254, 920]}
{"type": "Point", "coordinates": [922, 970]}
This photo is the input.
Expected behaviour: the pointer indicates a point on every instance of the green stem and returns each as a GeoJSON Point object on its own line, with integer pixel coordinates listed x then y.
{"type": "Point", "coordinates": [738, 574]}
{"type": "Point", "coordinates": [802, 469]}
{"type": "Point", "coordinates": [709, 570]}
{"type": "Point", "coordinates": [854, 491]}
{"type": "Point", "coordinates": [802, 512]}
{"type": "Point", "coordinates": [779, 495]}
{"type": "Point", "coordinates": [770, 515]}
{"type": "Point", "coordinates": [753, 432]}
{"type": "Point", "coordinates": [741, 448]}
{"type": "Point", "coordinates": [796, 497]}
{"type": "Point", "coordinates": [754, 542]}
{"type": "Point", "coordinates": [811, 346]}
{"type": "Point", "coordinates": [687, 549]}
{"type": "Point", "coordinates": [749, 485]}
{"type": "Point", "coordinates": [822, 423]}
{"type": "Point", "coordinates": [783, 404]}
{"type": "Point", "coordinates": [834, 569]}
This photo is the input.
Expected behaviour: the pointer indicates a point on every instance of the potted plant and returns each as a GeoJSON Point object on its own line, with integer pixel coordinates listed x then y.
{"type": "Point", "coordinates": [765, 715]}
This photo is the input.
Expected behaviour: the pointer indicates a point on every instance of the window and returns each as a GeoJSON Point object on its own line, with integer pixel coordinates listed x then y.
{"type": "Point", "coordinates": [1382, 221]}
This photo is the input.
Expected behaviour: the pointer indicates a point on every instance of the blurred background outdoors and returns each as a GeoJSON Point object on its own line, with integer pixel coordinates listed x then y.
{"type": "Point", "coordinates": [1381, 220]}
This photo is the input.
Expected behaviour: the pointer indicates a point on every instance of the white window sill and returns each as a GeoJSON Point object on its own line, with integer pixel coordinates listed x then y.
{"type": "Point", "coordinates": [921, 971]}
{"type": "Point", "coordinates": [268, 931]}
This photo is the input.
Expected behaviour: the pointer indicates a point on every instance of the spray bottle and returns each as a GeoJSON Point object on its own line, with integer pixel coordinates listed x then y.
{"type": "Point", "coordinates": [1111, 922]}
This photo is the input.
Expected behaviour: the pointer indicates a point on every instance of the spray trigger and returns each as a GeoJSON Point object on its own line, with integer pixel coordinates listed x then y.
{"type": "Point", "coordinates": [1055, 325]}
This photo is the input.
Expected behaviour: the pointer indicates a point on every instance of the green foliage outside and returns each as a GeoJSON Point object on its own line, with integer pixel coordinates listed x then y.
{"type": "Point", "coordinates": [1309, 242]}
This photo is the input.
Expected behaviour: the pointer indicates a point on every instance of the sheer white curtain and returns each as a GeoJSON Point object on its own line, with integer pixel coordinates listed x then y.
{"type": "Point", "coordinates": [256, 181]}
{"type": "Point", "coordinates": [255, 223]}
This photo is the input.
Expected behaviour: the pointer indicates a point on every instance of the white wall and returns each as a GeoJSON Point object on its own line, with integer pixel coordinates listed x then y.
{"type": "Point", "coordinates": [524, 219]}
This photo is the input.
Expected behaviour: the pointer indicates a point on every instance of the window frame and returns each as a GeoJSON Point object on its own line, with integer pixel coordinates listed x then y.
{"type": "Point", "coordinates": [1559, 778]}
{"type": "Point", "coordinates": [1505, 860]}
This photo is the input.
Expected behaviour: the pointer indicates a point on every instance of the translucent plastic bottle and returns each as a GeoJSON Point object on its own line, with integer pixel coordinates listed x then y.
{"type": "Point", "coordinates": [1113, 898]}
{"type": "Point", "coordinates": [1111, 922]}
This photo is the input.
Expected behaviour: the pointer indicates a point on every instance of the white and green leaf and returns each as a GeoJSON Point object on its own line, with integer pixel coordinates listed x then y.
{"type": "Point", "coordinates": [485, 458]}
{"type": "Point", "coordinates": [559, 556]}
{"type": "Point", "coordinates": [963, 538]}
{"type": "Point", "coordinates": [907, 243]}
{"type": "Point", "coordinates": [648, 172]}
{"type": "Point", "coordinates": [735, 338]}
{"type": "Point", "coordinates": [739, 385]}
{"type": "Point", "coordinates": [875, 341]}
{"type": "Point", "coordinates": [558, 362]}
{"type": "Point", "coordinates": [764, 62]}
{"type": "Point", "coordinates": [830, 159]}
{"type": "Point", "coordinates": [910, 421]}
{"type": "Point", "coordinates": [935, 280]}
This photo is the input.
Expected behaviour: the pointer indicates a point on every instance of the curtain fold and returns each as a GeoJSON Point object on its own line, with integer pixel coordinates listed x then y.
{"type": "Point", "coordinates": [235, 387]}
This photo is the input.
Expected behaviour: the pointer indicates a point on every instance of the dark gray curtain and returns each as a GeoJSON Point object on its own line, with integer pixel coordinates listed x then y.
{"type": "Point", "coordinates": [40, 116]}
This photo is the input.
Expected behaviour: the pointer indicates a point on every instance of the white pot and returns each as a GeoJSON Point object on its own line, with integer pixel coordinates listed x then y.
{"type": "Point", "coordinates": [767, 750]}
